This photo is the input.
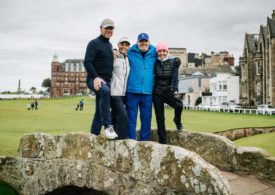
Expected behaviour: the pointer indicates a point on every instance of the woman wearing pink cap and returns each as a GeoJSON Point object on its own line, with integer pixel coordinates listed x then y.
{"type": "Point", "coordinates": [165, 88]}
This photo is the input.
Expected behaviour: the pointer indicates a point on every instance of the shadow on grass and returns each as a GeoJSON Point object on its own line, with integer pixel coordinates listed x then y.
{"type": "Point", "coordinates": [7, 189]}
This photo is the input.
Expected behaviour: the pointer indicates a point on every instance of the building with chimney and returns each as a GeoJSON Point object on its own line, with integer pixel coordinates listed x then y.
{"type": "Point", "coordinates": [257, 64]}
{"type": "Point", "coordinates": [221, 58]}
{"type": "Point", "coordinates": [68, 77]}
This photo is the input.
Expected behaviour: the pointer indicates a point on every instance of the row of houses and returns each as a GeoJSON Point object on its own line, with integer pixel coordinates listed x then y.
{"type": "Point", "coordinates": [214, 85]}
{"type": "Point", "coordinates": [196, 60]}
{"type": "Point", "coordinates": [69, 77]}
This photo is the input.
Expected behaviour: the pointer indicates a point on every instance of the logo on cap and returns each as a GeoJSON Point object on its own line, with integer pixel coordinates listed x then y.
{"type": "Point", "coordinates": [143, 36]}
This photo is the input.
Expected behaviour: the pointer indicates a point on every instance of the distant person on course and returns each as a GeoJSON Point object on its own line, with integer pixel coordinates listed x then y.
{"type": "Point", "coordinates": [98, 63]}
{"type": "Point", "coordinates": [81, 104]}
{"type": "Point", "coordinates": [36, 104]}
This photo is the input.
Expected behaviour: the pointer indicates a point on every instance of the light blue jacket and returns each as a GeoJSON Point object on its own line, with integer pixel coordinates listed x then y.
{"type": "Point", "coordinates": [141, 77]}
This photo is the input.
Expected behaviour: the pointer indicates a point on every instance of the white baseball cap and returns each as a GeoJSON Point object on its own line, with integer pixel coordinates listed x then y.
{"type": "Point", "coordinates": [124, 39]}
{"type": "Point", "coordinates": [107, 23]}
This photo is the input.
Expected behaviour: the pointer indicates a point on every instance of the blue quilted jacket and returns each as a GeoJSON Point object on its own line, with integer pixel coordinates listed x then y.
{"type": "Point", "coordinates": [141, 77]}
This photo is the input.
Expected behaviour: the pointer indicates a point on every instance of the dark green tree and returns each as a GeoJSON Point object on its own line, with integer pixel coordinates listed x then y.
{"type": "Point", "coordinates": [33, 89]}
{"type": "Point", "coordinates": [47, 84]}
{"type": "Point", "coordinates": [237, 70]}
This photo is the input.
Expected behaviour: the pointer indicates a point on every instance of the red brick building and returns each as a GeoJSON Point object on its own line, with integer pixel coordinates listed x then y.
{"type": "Point", "coordinates": [68, 78]}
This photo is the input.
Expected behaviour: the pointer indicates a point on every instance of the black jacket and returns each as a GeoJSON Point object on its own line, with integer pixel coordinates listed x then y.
{"type": "Point", "coordinates": [99, 59]}
{"type": "Point", "coordinates": [166, 76]}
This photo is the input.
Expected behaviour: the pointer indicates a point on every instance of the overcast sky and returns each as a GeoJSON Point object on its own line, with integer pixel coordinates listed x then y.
{"type": "Point", "coordinates": [31, 31]}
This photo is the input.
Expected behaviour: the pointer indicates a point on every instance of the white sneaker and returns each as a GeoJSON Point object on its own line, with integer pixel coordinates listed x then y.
{"type": "Point", "coordinates": [110, 133]}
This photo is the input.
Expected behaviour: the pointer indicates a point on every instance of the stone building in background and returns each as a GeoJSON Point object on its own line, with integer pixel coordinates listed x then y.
{"type": "Point", "coordinates": [180, 53]}
{"type": "Point", "coordinates": [257, 64]}
{"type": "Point", "coordinates": [221, 58]}
{"type": "Point", "coordinates": [68, 77]}
{"type": "Point", "coordinates": [195, 60]}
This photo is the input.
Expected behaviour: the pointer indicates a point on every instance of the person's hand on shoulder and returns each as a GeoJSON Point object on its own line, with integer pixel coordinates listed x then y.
{"type": "Point", "coordinates": [115, 53]}
{"type": "Point", "coordinates": [177, 62]}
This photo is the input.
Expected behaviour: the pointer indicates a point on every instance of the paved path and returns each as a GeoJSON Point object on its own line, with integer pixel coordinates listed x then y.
{"type": "Point", "coordinates": [244, 184]}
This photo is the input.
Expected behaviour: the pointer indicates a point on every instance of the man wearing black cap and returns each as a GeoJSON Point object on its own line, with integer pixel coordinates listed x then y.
{"type": "Point", "coordinates": [142, 57]}
{"type": "Point", "coordinates": [98, 63]}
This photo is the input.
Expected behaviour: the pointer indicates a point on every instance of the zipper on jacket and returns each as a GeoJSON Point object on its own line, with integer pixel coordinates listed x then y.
{"type": "Point", "coordinates": [162, 69]}
{"type": "Point", "coordinates": [125, 65]}
{"type": "Point", "coordinates": [142, 74]}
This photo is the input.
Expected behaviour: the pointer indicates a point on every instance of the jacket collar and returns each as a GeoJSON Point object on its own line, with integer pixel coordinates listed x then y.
{"type": "Point", "coordinates": [165, 59]}
{"type": "Point", "coordinates": [103, 38]}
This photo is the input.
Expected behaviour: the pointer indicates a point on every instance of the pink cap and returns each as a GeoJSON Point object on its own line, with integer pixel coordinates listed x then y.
{"type": "Point", "coordinates": [162, 46]}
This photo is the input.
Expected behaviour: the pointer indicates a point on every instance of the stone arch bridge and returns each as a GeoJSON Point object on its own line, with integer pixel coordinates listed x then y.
{"type": "Point", "coordinates": [47, 163]}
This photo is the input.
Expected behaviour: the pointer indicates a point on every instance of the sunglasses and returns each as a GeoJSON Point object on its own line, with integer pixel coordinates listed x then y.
{"type": "Point", "coordinates": [109, 28]}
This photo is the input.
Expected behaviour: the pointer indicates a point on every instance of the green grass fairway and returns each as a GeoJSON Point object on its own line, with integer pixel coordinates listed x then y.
{"type": "Point", "coordinates": [57, 116]}
{"type": "Point", "coordinates": [265, 141]}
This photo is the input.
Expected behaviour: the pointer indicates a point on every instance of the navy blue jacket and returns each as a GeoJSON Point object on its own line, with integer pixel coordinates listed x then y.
{"type": "Point", "coordinates": [141, 77]}
{"type": "Point", "coordinates": [99, 59]}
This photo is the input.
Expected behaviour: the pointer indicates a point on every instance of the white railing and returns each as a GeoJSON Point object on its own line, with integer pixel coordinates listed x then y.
{"type": "Point", "coordinates": [229, 110]}
{"type": "Point", "coordinates": [21, 96]}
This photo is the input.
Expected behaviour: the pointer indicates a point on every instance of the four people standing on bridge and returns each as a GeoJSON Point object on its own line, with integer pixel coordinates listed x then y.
{"type": "Point", "coordinates": [131, 73]}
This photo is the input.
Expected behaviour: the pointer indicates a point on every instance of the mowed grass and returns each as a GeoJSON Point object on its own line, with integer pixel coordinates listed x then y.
{"type": "Point", "coordinates": [57, 116]}
{"type": "Point", "coordinates": [265, 141]}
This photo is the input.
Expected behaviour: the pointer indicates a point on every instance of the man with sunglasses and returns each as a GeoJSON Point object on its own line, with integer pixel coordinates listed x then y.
{"type": "Point", "coordinates": [142, 57]}
{"type": "Point", "coordinates": [98, 63]}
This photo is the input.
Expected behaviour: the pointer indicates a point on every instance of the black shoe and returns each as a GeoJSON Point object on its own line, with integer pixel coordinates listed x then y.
{"type": "Point", "coordinates": [178, 126]}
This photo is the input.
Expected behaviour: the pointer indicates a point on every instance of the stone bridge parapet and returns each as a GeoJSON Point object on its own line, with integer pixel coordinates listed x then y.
{"type": "Point", "coordinates": [48, 162]}
{"type": "Point", "coordinates": [223, 153]}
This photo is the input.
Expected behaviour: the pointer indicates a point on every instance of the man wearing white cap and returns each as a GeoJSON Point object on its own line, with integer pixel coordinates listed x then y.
{"type": "Point", "coordinates": [98, 63]}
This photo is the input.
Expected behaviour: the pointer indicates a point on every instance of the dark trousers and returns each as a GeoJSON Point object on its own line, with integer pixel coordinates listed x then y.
{"type": "Point", "coordinates": [119, 116]}
{"type": "Point", "coordinates": [172, 101]}
{"type": "Point", "coordinates": [102, 114]}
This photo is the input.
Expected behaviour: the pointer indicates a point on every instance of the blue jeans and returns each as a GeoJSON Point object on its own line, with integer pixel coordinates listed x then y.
{"type": "Point", "coordinates": [144, 102]}
{"type": "Point", "coordinates": [102, 114]}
